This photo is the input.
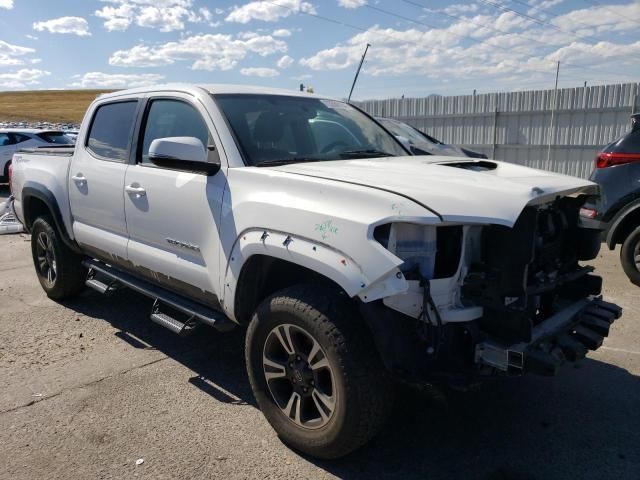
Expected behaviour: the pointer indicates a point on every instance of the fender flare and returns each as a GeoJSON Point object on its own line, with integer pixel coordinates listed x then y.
{"type": "Point", "coordinates": [618, 220]}
{"type": "Point", "coordinates": [32, 190]}
{"type": "Point", "coordinates": [317, 256]}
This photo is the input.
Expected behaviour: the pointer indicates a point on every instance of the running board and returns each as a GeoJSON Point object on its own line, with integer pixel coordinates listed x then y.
{"type": "Point", "coordinates": [168, 321]}
{"type": "Point", "coordinates": [194, 311]}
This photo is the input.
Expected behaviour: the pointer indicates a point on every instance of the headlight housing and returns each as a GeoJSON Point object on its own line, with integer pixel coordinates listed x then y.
{"type": "Point", "coordinates": [428, 251]}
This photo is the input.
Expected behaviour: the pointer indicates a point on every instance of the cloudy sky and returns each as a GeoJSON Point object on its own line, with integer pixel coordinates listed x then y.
{"type": "Point", "coordinates": [418, 47]}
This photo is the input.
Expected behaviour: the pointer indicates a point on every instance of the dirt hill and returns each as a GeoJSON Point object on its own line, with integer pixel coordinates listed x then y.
{"type": "Point", "coordinates": [64, 106]}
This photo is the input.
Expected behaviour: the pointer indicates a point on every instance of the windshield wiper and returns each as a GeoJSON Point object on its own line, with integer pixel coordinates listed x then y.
{"type": "Point", "coordinates": [372, 152]}
{"type": "Point", "coordinates": [287, 161]}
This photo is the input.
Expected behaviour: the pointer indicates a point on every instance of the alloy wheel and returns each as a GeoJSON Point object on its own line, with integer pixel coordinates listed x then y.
{"type": "Point", "coordinates": [299, 376]}
{"type": "Point", "coordinates": [46, 264]}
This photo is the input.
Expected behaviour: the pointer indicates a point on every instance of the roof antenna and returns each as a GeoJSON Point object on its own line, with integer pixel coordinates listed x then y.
{"type": "Point", "coordinates": [355, 79]}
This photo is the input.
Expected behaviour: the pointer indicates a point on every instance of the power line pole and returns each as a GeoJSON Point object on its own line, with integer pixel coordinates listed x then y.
{"type": "Point", "coordinates": [355, 79]}
{"type": "Point", "coordinates": [553, 111]}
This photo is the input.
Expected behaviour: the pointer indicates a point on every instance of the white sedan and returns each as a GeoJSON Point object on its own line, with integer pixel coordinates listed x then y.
{"type": "Point", "coordinates": [14, 139]}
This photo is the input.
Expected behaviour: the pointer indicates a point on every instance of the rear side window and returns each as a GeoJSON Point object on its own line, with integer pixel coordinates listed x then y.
{"type": "Point", "coordinates": [59, 138]}
{"type": "Point", "coordinates": [172, 118]}
{"type": "Point", "coordinates": [111, 130]}
{"type": "Point", "coordinates": [630, 143]}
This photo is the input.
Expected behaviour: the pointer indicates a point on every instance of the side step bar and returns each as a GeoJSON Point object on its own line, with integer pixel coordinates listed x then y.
{"type": "Point", "coordinates": [195, 312]}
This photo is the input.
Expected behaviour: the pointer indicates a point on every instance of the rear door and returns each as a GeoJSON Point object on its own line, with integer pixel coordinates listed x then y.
{"type": "Point", "coordinates": [173, 213]}
{"type": "Point", "coordinates": [96, 179]}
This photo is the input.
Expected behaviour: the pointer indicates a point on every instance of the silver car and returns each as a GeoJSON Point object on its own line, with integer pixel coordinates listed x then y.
{"type": "Point", "coordinates": [14, 139]}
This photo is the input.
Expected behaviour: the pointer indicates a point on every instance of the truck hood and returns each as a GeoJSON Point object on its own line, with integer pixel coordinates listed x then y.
{"type": "Point", "coordinates": [460, 190]}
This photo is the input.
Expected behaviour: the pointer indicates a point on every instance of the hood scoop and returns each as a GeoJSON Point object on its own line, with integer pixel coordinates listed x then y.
{"type": "Point", "coordinates": [475, 166]}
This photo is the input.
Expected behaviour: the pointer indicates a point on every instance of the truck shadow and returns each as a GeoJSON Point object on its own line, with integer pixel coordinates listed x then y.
{"type": "Point", "coordinates": [584, 423]}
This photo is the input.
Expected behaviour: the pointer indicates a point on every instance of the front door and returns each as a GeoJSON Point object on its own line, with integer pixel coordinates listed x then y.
{"type": "Point", "coordinates": [97, 179]}
{"type": "Point", "coordinates": [173, 213]}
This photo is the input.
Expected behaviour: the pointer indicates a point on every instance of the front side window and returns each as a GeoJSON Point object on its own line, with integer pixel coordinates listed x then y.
{"type": "Point", "coordinates": [272, 129]}
{"type": "Point", "coordinates": [172, 118]}
{"type": "Point", "coordinates": [111, 130]}
{"type": "Point", "coordinates": [19, 138]}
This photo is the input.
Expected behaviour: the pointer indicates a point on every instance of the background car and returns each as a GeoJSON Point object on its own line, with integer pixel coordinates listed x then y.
{"type": "Point", "coordinates": [617, 210]}
{"type": "Point", "coordinates": [14, 139]}
{"type": "Point", "coordinates": [422, 144]}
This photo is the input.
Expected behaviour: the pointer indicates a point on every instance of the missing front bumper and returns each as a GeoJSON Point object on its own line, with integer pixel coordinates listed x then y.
{"type": "Point", "coordinates": [564, 337]}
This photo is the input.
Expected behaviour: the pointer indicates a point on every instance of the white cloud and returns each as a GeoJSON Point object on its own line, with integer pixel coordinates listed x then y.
{"type": "Point", "coordinates": [600, 19]}
{"type": "Point", "coordinates": [448, 52]}
{"type": "Point", "coordinates": [72, 25]}
{"type": "Point", "coordinates": [259, 72]}
{"type": "Point", "coordinates": [8, 4]}
{"type": "Point", "coordinates": [285, 62]}
{"type": "Point", "coordinates": [281, 32]}
{"type": "Point", "coordinates": [268, 12]}
{"type": "Point", "coordinates": [108, 80]}
{"type": "Point", "coordinates": [12, 55]}
{"type": "Point", "coordinates": [352, 3]}
{"type": "Point", "coordinates": [457, 9]}
{"type": "Point", "coordinates": [22, 78]}
{"type": "Point", "coordinates": [31, 37]}
{"type": "Point", "coordinates": [164, 15]}
{"type": "Point", "coordinates": [206, 52]}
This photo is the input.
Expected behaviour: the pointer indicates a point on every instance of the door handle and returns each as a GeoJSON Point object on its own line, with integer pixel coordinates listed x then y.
{"type": "Point", "coordinates": [79, 178]}
{"type": "Point", "coordinates": [138, 191]}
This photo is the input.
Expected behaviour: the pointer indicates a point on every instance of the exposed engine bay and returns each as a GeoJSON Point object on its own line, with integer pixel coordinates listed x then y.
{"type": "Point", "coordinates": [491, 299]}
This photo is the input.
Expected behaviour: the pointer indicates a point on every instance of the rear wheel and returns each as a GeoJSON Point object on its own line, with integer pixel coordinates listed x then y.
{"type": "Point", "coordinates": [630, 256]}
{"type": "Point", "coordinates": [59, 269]}
{"type": "Point", "coordinates": [315, 372]}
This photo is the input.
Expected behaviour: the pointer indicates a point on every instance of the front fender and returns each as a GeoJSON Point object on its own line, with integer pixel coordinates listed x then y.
{"type": "Point", "coordinates": [316, 256]}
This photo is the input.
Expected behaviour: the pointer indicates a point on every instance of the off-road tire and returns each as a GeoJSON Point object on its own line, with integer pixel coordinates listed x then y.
{"type": "Point", "coordinates": [364, 388]}
{"type": "Point", "coordinates": [70, 275]}
{"type": "Point", "coordinates": [628, 253]}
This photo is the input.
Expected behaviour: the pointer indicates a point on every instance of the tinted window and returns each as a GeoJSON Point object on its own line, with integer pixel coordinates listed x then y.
{"type": "Point", "coordinates": [59, 138]}
{"type": "Point", "coordinates": [630, 143]}
{"type": "Point", "coordinates": [19, 138]}
{"type": "Point", "coordinates": [5, 139]}
{"type": "Point", "coordinates": [172, 118]}
{"type": "Point", "coordinates": [111, 130]}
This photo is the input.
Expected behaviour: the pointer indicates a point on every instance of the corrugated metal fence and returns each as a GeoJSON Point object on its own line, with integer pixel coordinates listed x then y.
{"type": "Point", "coordinates": [516, 126]}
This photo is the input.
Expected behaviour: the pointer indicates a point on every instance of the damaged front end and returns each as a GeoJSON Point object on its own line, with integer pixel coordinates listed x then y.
{"type": "Point", "coordinates": [490, 299]}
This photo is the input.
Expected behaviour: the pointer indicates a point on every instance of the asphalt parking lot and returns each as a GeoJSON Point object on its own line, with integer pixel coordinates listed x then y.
{"type": "Point", "coordinates": [88, 387]}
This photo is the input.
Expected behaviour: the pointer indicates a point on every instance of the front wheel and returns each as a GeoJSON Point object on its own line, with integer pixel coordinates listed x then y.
{"type": "Point", "coordinates": [58, 268]}
{"type": "Point", "coordinates": [315, 372]}
{"type": "Point", "coordinates": [630, 256]}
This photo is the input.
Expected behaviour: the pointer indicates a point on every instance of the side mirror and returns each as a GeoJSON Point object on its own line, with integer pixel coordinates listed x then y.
{"type": "Point", "coordinates": [182, 153]}
{"type": "Point", "coordinates": [635, 122]}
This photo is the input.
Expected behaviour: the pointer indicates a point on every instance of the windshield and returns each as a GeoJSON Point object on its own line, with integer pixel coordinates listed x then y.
{"type": "Point", "coordinates": [273, 129]}
{"type": "Point", "coordinates": [403, 130]}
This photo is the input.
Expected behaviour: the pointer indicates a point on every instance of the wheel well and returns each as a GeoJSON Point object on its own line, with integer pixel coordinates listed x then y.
{"type": "Point", "coordinates": [5, 174]}
{"type": "Point", "coordinates": [263, 275]}
{"type": "Point", "coordinates": [34, 208]}
{"type": "Point", "coordinates": [630, 222]}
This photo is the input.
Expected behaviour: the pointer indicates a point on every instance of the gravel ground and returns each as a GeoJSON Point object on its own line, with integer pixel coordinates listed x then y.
{"type": "Point", "coordinates": [90, 386]}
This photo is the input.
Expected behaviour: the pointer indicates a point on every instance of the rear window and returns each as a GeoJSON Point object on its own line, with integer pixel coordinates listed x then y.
{"type": "Point", "coordinates": [59, 138]}
{"type": "Point", "coordinates": [630, 143]}
{"type": "Point", "coordinates": [111, 130]}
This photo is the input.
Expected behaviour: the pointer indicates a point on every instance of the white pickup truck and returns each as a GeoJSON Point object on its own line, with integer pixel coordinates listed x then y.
{"type": "Point", "coordinates": [353, 264]}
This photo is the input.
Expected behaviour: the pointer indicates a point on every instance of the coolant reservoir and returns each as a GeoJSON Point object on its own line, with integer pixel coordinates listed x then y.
{"type": "Point", "coordinates": [416, 245]}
